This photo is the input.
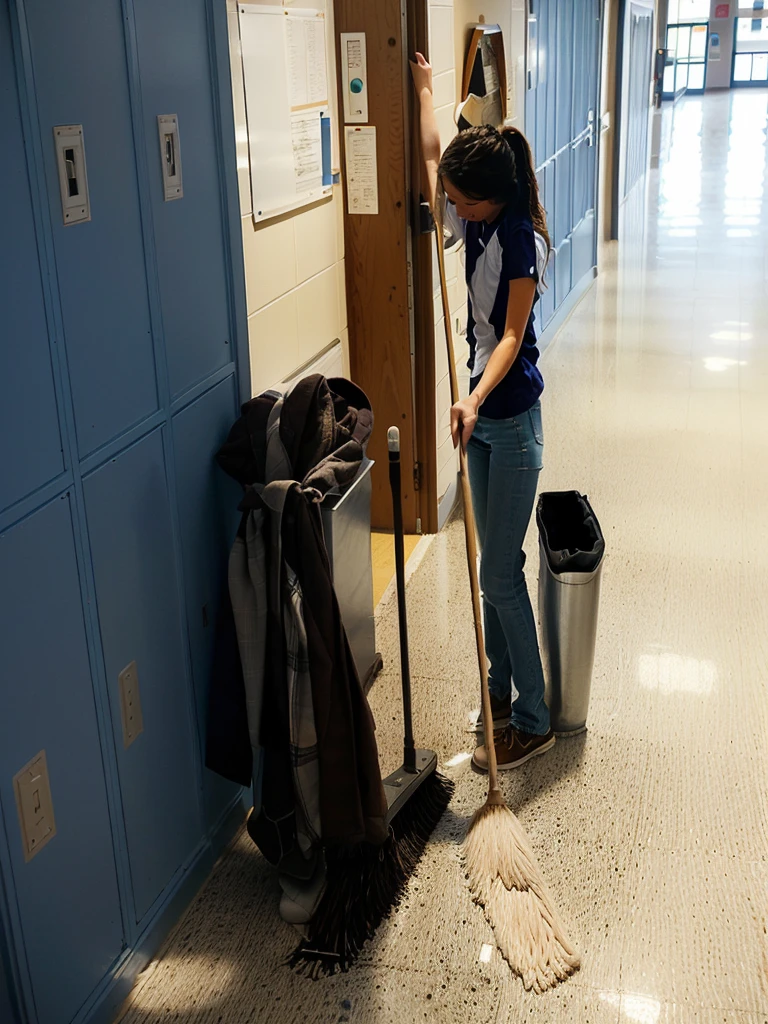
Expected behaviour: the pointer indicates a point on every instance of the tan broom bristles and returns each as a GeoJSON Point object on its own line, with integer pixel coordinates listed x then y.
{"type": "Point", "coordinates": [501, 868]}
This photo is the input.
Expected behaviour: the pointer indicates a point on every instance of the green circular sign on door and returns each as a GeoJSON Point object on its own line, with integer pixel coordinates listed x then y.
{"type": "Point", "coordinates": [356, 85]}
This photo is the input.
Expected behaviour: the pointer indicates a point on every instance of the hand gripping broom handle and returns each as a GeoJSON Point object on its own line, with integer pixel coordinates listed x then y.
{"type": "Point", "coordinates": [393, 444]}
{"type": "Point", "coordinates": [494, 792]}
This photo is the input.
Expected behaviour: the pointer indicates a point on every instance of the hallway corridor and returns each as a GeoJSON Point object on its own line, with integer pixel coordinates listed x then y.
{"type": "Point", "coordinates": [652, 827]}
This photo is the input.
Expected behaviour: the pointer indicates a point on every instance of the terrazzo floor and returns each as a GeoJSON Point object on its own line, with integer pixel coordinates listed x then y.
{"type": "Point", "coordinates": [651, 827]}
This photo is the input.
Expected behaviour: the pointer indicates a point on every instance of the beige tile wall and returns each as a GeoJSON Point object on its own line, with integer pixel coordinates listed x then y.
{"type": "Point", "coordinates": [448, 23]}
{"type": "Point", "coordinates": [294, 265]}
{"type": "Point", "coordinates": [511, 15]}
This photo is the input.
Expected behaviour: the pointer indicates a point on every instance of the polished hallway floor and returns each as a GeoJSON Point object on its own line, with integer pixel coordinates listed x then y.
{"type": "Point", "coordinates": [652, 827]}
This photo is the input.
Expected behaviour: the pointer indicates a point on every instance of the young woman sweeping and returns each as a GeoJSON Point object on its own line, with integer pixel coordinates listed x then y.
{"type": "Point", "coordinates": [492, 202]}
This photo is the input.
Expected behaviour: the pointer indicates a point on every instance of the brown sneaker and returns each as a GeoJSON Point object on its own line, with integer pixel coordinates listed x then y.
{"type": "Point", "coordinates": [513, 748]}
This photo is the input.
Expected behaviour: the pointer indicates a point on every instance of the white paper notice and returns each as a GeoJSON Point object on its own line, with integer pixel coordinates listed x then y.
{"type": "Point", "coordinates": [307, 150]}
{"type": "Point", "coordinates": [317, 75]}
{"type": "Point", "coordinates": [362, 174]}
{"type": "Point", "coordinates": [297, 60]}
{"type": "Point", "coordinates": [305, 39]}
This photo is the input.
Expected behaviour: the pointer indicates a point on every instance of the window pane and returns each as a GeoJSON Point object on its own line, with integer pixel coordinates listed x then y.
{"type": "Point", "coordinates": [683, 42]}
{"type": "Point", "coordinates": [672, 41]}
{"type": "Point", "coordinates": [699, 41]}
{"type": "Point", "coordinates": [695, 76]}
{"type": "Point", "coordinates": [669, 78]}
{"type": "Point", "coordinates": [682, 76]}
{"type": "Point", "coordinates": [751, 29]}
{"type": "Point", "coordinates": [759, 67]}
{"type": "Point", "coordinates": [693, 10]}
{"type": "Point", "coordinates": [742, 67]}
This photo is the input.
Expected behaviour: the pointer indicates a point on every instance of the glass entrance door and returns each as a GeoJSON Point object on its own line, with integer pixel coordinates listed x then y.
{"type": "Point", "coordinates": [687, 69]}
{"type": "Point", "coordinates": [750, 58]}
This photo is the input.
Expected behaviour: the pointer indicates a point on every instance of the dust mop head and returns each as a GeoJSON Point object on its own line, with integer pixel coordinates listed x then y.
{"type": "Point", "coordinates": [366, 883]}
{"type": "Point", "coordinates": [506, 881]}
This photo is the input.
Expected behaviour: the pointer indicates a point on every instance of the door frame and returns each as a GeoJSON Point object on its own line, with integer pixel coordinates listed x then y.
{"type": "Point", "coordinates": [421, 258]}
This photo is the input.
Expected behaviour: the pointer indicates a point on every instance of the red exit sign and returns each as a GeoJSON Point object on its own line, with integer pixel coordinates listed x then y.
{"type": "Point", "coordinates": [723, 11]}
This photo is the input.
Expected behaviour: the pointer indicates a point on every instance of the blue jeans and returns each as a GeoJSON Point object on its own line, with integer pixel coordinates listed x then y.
{"type": "Point", "coordinates": [505, 458]}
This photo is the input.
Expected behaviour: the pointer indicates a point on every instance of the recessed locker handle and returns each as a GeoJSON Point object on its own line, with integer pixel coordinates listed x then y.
{"type": "Point", "coordinates": [170, 156]}
{"type": "Point", "coordinates": [73, 179]}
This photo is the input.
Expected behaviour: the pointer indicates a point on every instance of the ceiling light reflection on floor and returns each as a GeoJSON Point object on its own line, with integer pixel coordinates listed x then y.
{"type": "Point", "coordinates": [682, 222]}
{"type": "Point", "coordinates": [742, 208]}
{"type": "Point", "coordinates": [726, 336]}
{"type": "Point", "coordinates": [719, 364]}
{"type": "Point", "coordinates": [676, 673]}
{"type": "Point", "coordinates": [640, 1009]}
{"type": "Point", "coordinates": [457, 759]}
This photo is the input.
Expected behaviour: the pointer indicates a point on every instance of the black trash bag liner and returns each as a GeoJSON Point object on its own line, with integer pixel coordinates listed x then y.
{"type": "Point", "coordinates": [569, 531]}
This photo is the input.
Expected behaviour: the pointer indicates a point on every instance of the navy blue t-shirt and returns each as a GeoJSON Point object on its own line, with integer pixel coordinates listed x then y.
{"type": "Point", "coordinates": [497, 253]}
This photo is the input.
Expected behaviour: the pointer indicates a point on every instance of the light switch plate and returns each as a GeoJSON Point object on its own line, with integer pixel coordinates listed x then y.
{"type": "Point", "coordinates": [130, 704]}
{"type": "Point", "coordinates": [354, 77]}
{"type": "Point", "coordinates": [35, 806]}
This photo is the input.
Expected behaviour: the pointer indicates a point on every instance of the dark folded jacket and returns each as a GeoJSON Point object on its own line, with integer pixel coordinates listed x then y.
{"type": "Point", "coordinates": [324, 426]}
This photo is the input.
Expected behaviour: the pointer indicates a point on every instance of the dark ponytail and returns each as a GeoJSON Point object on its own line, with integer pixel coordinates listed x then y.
{"type": "Point", "coordinates": [528, 185]}
{"type": "Point", "coordinates": [484, 163]}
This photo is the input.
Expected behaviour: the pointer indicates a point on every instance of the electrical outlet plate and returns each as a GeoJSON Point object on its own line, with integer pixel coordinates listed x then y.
{"type": "Point", "coordinates": [35, 806]}
{"type": "Point", "coordinates": [130, 704]}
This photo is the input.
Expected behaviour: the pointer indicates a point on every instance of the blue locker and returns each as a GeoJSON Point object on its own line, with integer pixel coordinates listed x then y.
{"type": "Point", "coordinates": [8, 1014]}
{"type": "Point", "coordinates": [543, 78]}
{"type": "Point", "coordinates": [140, 618]}
{"type": "Point", "coordinates": [546, 304]}
{"type": "Point", "coordinates": [563, 276]}
{"type": "Point", "coordinates": [563, 186]}
{"type": "Point", "coordinates": [100, 264]}
{"type": "Point", "coordinates": [583, 245]}
{"type": "Point", "coordinates": [584, 55]}
{"type": "Point", "coordinates": [188, 231]}
{"type": "Point", "coordinates": [547, 178]}
{"type": "Point", "coordinates": [67, 893]}
{"type": "Point", "coordinates": [552, 77]}
{"type": "Point", "coordinates": [30, 442]}
{"type": "Point", "coordinates": [583, 185]}
{"type": "Point", "coordinates": [208, 519]}
{"type": "Point", "coordinates": [565, 46]}
{"type": "Point", "coordinates": [531, 83]}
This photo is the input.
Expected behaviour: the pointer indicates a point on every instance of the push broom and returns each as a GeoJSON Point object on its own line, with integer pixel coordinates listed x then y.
{"type": "Point", "coordinates": [365, 885]}
{"type": "Point", "coordinates": [502, 872]}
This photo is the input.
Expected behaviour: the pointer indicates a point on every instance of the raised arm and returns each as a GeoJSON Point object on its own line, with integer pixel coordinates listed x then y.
{"type": "Point", "coordinates": [430, 136]}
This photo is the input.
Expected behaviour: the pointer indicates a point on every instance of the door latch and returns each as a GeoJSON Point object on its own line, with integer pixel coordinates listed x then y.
{"type": "Point", "coordinates": [426, 220]}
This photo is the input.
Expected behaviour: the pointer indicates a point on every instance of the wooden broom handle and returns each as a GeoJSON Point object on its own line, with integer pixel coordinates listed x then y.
{"type": "Point", "coordinates": [494, 791]}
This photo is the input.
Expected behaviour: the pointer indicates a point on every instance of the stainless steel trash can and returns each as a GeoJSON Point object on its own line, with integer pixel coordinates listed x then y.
{"type": "Point", "coordinates": [571, 552]}
{"type": "Point", "coordinates": [347, 531]}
